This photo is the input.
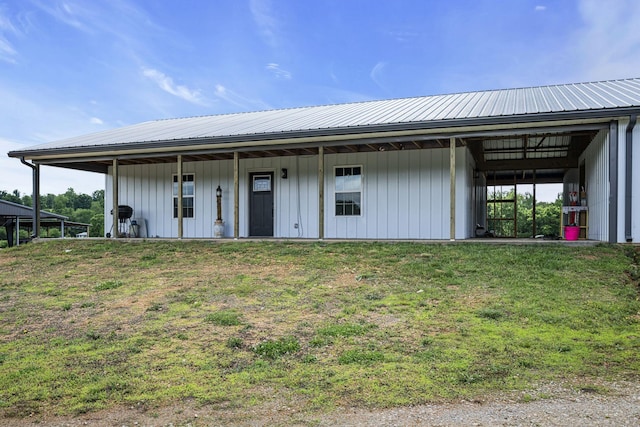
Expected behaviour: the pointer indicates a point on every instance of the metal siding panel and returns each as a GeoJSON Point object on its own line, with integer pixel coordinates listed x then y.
{"type": "Point", "coordinates": [404, 195]}
{"type": "Point", "coordinates": [414, 196]}
{"type": "Point", "coordinates": [393, 194]}
{"type": "Point", "coordinates": [439, 200]}
{"type": "Point", "coordinates": [309, 192]}
{"type": "Point", "coordinates": [597, 175]}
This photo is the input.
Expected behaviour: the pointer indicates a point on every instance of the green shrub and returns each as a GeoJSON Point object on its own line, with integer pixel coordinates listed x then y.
{"type": "Point", "coordinates": [361, 357]}
{"type": "Point", "coordinates": [273, 349]}
{"type": "Point", "coordinates": [110, 284]}
{"type": "Point", "coordinates": [223, 318]}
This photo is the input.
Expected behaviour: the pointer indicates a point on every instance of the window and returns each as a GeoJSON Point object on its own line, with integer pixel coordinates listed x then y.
{"type": "Point", "coordinates": [348, 190]}
{"type": "Point", "coordinates": [188, 195]}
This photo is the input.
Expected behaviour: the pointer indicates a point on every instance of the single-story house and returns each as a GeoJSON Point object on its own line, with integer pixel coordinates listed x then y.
{"type": "Point", "coordinates": [412, 168]}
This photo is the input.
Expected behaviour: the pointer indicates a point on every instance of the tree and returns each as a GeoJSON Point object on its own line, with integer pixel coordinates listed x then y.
{"type": "Point", "coordinates": [97, 225]}
{"type": "Point", "coordinates": [83, 201]}
{"type": "Point", "coordinates": [98, 196]}
{"type": "Point", "coordinates": [11, 197]}
{"type": "Point", "coordinates": [547, 215]}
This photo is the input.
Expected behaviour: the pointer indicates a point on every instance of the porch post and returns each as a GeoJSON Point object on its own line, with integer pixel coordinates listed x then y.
{"type": "Point", "coordinates": [17, 231]}
{"type": "Point", "coordinates": [35, 169]}
{"type": "Point", "coordinates": [180, 198]}
{"type": "Point", "coordinates": [36, 202]}
{"type": "Point", "coordinates": [116, 219]}
{"type": "Point", "coordinates": [613, 181]}
{"type": "Point", "coordinates": [452, 186]}
{"type": "Point", "coordinates": [236, 195]}
{"type": "Point", "coordinates": [534, 204]}
{"type": "Point", "coordinates": [321, 192]}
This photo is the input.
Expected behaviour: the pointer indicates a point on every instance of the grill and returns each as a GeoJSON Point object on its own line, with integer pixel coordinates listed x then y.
{"type": "Point", "coordinates": [124, 215]}
{"type": "Point", "coordinates": [124, 212]}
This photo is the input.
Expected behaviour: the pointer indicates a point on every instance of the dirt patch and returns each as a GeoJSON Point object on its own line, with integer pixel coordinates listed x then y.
{"type": "Point", "coordinates": [552, 404]}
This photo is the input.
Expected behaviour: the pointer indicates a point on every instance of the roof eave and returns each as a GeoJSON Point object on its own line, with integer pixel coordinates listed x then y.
{"type": "Point", "coordinates": [382, 129]}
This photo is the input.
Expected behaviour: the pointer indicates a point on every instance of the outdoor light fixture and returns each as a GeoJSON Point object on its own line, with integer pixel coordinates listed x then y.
{"type": "Point", "coordinates": [284, 173]}
{"type": "Point", "coordinates": [218, 226]}
{"type": "Point", "coordinates": [219, 202]}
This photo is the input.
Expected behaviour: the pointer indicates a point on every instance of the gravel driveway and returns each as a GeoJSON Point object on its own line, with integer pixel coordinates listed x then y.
{"type": "Point", "coordinates": [610, 404]}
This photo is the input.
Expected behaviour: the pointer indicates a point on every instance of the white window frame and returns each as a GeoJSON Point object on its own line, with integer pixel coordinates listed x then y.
{"type": "Point", "coordinates": [337, 190]}
{"type": "Point", "coordinates": [188, 194]}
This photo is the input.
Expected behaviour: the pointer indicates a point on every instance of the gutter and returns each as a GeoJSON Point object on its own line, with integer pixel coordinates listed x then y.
{"type": "Point", "coordinates": [628, 179]}
{"type": "Point", "coordinates": [35, 198]}
{"type": "Point", "coordinates": [318, 136]}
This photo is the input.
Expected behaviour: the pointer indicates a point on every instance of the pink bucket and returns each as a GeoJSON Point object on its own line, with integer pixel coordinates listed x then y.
{"type": "Point", "coordinates": [571, 232]}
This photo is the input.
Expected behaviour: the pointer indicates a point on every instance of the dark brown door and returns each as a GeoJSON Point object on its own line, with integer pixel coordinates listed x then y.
{"type": "Point", "coordinates": [261, 204]}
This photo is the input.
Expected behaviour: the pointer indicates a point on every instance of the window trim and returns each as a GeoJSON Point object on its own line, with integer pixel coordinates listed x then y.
{"type": "Point", "coordinates": [174, 195]}
{"type": "Point", "coordinates": [336, 192]}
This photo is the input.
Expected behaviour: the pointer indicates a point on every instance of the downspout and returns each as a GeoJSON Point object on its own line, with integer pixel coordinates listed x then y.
{"type": "Point", "coordinates": [613, 181]}
{"type": "Point", "coordinates": [36, 197]}
{"type": "Point", "coordinates": [628, 179]}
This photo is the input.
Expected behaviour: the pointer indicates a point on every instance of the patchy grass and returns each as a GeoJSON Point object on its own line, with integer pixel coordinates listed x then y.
{"type": "Point", "coordinates": [88, 325]}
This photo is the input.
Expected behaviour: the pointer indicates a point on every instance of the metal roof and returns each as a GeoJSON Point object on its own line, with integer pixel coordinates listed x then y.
{"type": "Point", "coordinates": [15, 210]}
{"type": "Point", "coordinates": [494, 106]}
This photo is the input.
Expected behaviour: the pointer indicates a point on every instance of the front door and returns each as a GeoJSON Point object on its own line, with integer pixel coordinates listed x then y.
{"type": "Point", "coordinates": [261, 204]}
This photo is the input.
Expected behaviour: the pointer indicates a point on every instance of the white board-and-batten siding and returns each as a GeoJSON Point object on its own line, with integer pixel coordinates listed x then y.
{"type": "Point", "coordinates": [405, 195]}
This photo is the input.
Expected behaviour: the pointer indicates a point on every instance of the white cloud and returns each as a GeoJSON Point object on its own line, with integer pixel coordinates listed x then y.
{"type": "Point", "coordinates": [404, 35]}
{"type": "Point", "coordinates": [7, 51]}
{"type": "Point", "coordinates": [376, 73]}
{"type": "Point", "coordinates": [96, 121]}
{"type": "Point", "coordinates": [69, 13]}
{"type": "Point", "coordinates": [278, 72]}
{"type": "Point", "coordinates": [607, 46]}
{"type": "Point", "coordinates": [540, 8]}
{"type": "Point", "coordinates": [264, 18]}
{"type": "Point", "coordinates": [238, 100]}
{"type": "Point", "coordinates": [166, 83]}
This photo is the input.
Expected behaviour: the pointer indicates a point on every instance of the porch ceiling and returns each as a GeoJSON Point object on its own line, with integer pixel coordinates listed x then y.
{"type": "Point", "coordinates": [545, 156]}
{"type": "Point", "coordinates": [550, 154]}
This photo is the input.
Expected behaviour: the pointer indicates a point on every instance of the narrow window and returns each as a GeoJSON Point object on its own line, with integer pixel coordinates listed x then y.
{"type": "Point", "coordinates": [348, 190]}
{"type": "Point", "coordinates": [188, 195]}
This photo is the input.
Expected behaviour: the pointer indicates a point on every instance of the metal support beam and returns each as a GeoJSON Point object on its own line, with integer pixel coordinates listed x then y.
{"type": "Point", "coordinates": [628, 171]}
{"type": "Point", "coordinates": [35, 169]}
{"type": "Point", "coordinates": [321, 192]}
{"type": "Point", "coordinates": [452, 186]}
{"type": "Point", "coordinates": [236, 195]}
{"type": "Point", "coordinates": [613, 181]}
{"type": "Point", "coordinates": [36, 201]}
{"type": "Point", "coordinates": [116, 219]}
{"type": "Point", "coordinates": [180, 198]}
{"type": "Point", "coordinates": [534, 205]}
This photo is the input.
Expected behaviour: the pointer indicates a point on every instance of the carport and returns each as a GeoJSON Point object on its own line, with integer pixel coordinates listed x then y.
{"type": "Point", "coordinates": [13, 216]}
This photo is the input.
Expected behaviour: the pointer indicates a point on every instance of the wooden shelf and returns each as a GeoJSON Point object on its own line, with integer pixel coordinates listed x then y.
{"type": "Point", "coordinates": [582, 214]}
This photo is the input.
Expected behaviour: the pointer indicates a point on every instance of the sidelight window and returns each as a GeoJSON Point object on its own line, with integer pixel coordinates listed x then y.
{"type": "Point", "coordinates": [188, 195]}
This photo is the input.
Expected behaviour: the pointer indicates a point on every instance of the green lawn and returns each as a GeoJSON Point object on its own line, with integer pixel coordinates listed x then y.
{"type": "Point", "coordinates": [90, 324]}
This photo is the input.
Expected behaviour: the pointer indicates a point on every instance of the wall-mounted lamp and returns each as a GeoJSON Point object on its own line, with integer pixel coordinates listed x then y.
{"type": "Point", "coordinates": [284, 173]}
{"type": "Point", "coordinates": [218, 226]}
{"type": "Point", "coordinates": [219, 202]}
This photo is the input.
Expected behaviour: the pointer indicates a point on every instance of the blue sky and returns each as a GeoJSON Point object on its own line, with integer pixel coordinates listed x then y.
{"type": "Point", "coordinates": [71, 67]}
